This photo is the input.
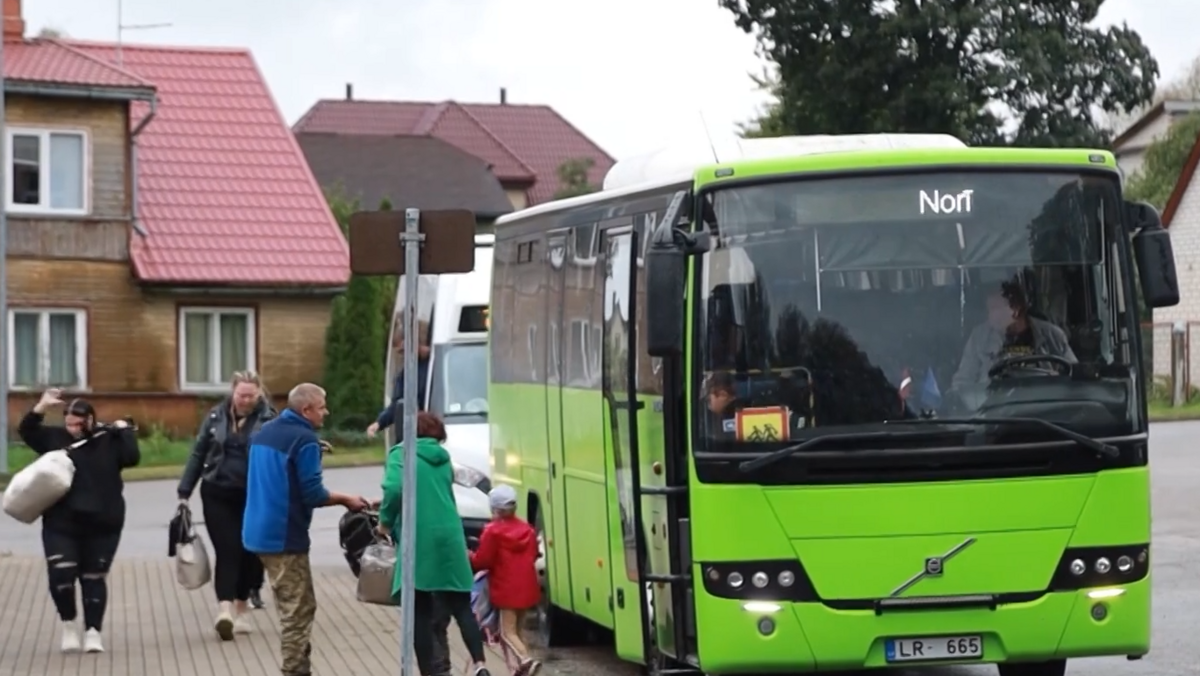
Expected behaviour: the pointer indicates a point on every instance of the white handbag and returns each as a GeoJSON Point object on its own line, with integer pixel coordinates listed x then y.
{"type": "Point", "coordinates": [378, 570]}
{"type": "Point", "coordinates": [192, 568]}
{"type": "Point", "coordinates": [40, 485]}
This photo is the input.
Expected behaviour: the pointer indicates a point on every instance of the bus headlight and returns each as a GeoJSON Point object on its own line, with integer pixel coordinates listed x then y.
{"type": "Point", "coordinates": [1089, 567]}
{"type": "Point", "coordinates": [471, 478]}
{"type": "Point", "coordinates": [767, 581]}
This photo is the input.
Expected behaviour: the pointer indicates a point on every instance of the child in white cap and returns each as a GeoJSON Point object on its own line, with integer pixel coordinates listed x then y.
{"type": "Point", "coordinates": [508, 551]}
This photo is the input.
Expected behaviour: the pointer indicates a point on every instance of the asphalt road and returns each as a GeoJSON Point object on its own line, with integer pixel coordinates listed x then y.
{"type": "Point", "coordinates": [1176, 485]}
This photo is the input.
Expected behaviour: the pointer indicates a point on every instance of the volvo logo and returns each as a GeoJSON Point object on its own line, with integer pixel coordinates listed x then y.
{"type": "Point", "coordinates": [934, 567]}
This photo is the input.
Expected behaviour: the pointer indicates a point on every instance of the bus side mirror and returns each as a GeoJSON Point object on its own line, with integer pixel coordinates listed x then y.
{"type": "Point", "coordinates": [1154, 255]}
{"type": "Point", "coordinates": [666, 286]}
{"type": "Point", "coordinates": [666, 278]}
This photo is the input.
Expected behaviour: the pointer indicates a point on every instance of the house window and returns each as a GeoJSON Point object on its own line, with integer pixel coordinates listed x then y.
{"type": "Point", "coordinates": [48, 171]}
{"type": "Point", "coordinates": [47, 347]}
{"type": "Point", "coordinates": [213, 344]}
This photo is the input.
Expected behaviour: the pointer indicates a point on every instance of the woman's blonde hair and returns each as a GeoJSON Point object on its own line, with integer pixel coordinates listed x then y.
{"type": "Point", "coordinates": [251, 377]}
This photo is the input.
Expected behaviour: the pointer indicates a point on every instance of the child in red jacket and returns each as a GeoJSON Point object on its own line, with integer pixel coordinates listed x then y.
{"type": "Point", "coordinates": [508, 551]}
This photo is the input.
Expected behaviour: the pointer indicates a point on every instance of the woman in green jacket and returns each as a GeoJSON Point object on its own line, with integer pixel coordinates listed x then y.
{"type": "Point", "coordinates": [443, 571]}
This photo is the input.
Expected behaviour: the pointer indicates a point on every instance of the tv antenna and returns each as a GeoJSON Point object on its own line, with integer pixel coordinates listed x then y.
{"type": "Point", "coordinates": [712, 146]}
{"type": "Point", "coordinates": [122, 27]}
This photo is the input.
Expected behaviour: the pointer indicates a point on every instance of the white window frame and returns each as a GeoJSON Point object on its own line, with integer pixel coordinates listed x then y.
{"type": "Point", "coordinates": [43, 133]}
{"type": "Point", "coordinates": [215, 340]}
{"type": "Point", "coordinates": [81, 344]}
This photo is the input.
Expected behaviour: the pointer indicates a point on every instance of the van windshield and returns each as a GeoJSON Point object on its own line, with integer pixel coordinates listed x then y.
{"type": "Point", "coordinates": [458, 392]}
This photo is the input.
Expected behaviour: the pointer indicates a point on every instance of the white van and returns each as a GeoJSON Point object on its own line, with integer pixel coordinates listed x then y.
{"type": "Point", "coordinates": [454, 311]}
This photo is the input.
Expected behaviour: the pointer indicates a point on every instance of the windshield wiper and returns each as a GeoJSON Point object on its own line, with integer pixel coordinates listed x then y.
{"type": "Point", "coordinates": [1101, 448]}
{"type": "Point", "coordinates": [773, 457]}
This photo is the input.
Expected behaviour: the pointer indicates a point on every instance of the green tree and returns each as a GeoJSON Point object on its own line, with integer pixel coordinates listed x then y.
{"type": "Point", "coordinates": [770, 119]}
{"type": "Point", "coordinates": [354, 383]}
{"type": "Point", "coordinates": [573, 178]}
{"type": "Point", "coordinates": [1164, 162]}
{"type": "Point", "coordinates": [961, 67]}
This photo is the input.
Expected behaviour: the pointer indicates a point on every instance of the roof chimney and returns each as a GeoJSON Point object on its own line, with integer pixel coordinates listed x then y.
{"type": "Point", "coordinates": [14, 23]}
{"type": "Point", "coordinates": [349, 91]}
{"type": "Point", "coordinates": [503, 96]}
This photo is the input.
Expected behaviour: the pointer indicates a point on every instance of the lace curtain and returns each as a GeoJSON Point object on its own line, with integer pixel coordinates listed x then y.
{"type": "Point", "coordinates": [46, 349]}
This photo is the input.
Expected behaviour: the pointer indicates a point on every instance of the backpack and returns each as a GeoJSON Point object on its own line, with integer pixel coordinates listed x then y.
{"type": "Point", "coordinates": [356, 532]}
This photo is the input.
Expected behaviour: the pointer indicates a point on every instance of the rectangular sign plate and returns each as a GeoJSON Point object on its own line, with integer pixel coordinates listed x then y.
{"type": "Point", "coordinates": [934, 648]}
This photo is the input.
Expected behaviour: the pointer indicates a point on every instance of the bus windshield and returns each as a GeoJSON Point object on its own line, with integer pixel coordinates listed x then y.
{"type": "Point", "coordinates": [847, 302]}
{"type": "Point", "coordinates": [458, 392]}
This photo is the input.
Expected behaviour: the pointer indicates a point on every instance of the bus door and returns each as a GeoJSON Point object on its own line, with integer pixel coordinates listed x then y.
{"type": "Point", "coordinates": [557, 550]}
{"type": "Point", "coordinates": [627, 542]}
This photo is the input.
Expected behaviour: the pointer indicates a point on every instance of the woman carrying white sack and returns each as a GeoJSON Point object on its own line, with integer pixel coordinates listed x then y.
{"type": "Point", "coordinates": [80, 533]}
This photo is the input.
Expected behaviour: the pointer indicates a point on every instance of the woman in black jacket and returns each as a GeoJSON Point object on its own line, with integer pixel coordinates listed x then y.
{"type": "Point", "coordinates": [81, 532]}
{"type": "Point", "coordinates": [220, 458]}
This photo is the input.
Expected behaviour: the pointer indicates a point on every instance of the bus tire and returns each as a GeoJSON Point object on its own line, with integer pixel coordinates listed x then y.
{"type": "Point", "coordinates": [1049, 668]}
{"type": "Point", "coordinates": [554, 627]}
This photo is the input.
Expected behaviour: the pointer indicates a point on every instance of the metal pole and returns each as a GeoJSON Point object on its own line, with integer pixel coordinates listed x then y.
{"type": "Point", "coordinates": [7, 349]}
{"type": "Point", "coordinates": [1179, 365]}
{"type": "Point", "coordinates": [408, 521]}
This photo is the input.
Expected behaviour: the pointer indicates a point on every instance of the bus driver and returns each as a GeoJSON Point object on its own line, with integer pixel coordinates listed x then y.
{"type": "Point", "coordinates": [1008, 332]}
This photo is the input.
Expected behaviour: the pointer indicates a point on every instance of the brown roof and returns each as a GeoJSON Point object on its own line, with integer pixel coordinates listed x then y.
{"type": "Point", "coordinates": [1181, 185]}
{"type": "Point", "coordinates": [53, 62]}
{"type": "Point", "coordinates": [524, 144]}
{"type": "Point", "coordinates": [223, 189]}
{"type": "Point", "coordinates": [411, 171]}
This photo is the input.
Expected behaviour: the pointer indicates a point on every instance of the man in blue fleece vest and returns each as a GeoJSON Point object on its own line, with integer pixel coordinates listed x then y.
{"type": "Point", "coordinates": [283, 487]}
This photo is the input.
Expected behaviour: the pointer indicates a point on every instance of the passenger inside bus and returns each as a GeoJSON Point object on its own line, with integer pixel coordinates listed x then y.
{"type": "Point", "coordinates": [722, 406]}
{"type": "Point", "coordinates": [390, 413]}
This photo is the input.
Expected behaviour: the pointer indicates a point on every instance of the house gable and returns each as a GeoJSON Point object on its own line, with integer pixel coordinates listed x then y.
{"type": "Point", "coordinates": [1181, 215]}
{"type": "Point", "coordinates": [1131, 144]}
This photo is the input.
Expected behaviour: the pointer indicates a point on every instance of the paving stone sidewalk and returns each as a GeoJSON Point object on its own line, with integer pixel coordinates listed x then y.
{"type": "Point", "coordinates": [156, 627]}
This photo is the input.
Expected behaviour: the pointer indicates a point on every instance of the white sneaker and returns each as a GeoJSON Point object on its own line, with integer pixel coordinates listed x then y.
{"type": "Point", "coordinates": [241, 625]}
{"type": "Point", "coordinates": [225, 625]}
{"type": "Point", "coordinates": [70, 638]}
{"type": "Point", "coordinates": [92, 643]}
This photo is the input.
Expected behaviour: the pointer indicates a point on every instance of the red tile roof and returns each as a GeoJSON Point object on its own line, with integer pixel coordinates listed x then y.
{"type": "Point", "coordinates": [522, 142]}
{"type": "Point", "coordinates": [52, 62]}
{"type": "Point", "coordinates": [223, 189]}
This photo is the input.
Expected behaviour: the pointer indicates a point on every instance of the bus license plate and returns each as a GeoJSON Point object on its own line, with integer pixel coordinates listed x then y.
{"type": "Point", "coordinates": [934, 648]}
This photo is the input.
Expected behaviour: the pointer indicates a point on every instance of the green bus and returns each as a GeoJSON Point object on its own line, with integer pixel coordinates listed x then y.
{"type": "Point", "coordinates": [842, 402]}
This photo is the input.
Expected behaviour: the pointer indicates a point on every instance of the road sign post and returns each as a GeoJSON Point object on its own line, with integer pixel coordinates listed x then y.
{"type": "Point", "coordinates": [431, 242]}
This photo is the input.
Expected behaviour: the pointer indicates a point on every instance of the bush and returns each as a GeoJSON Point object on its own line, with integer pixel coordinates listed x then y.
{"type": "Point", "coordinates": [350, 438]}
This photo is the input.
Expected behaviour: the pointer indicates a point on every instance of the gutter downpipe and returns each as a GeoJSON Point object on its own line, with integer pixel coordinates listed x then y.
{"type": "Point", "coordinates": [133, 167]}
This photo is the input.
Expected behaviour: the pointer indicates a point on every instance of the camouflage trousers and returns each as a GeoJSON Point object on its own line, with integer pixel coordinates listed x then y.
{"type": "Point", "coordinates": [291, 582]}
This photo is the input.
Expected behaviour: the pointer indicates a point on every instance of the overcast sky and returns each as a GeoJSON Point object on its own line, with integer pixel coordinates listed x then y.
{"type": "Point", "coordinates": [632, 74]}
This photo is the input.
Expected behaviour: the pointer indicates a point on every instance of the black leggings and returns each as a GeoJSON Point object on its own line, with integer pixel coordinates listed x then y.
{"type": "Point", "coordinates": [432, 611]}
{"type": "Point", "coordinates": [86, 556]}
{"type": "Point", "coordinates": [235, 571]}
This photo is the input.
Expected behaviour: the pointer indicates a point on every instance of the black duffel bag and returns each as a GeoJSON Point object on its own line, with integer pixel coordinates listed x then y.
{"type": "Point", "coordinates": [356, 531]}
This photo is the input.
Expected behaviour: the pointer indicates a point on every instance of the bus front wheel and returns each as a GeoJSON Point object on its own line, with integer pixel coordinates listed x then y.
{"type": "Point", "coordinates": [1051, 668]}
